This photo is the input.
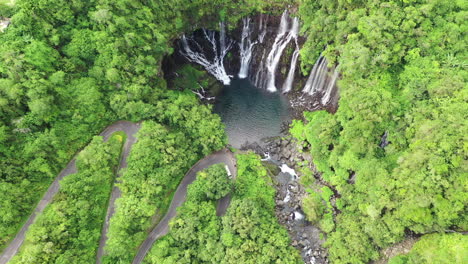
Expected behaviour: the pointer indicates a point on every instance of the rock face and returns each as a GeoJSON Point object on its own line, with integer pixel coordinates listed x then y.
{"type": "Point", "coordinates": [264, 49]}
{"type": "Point", "coordinates": [255, 43]}
{"type": "Point", "coordinates": [274, 39]}
{"type": "Point", "coordinates": [305, 237]}
{"type": "Point", "coordinates": [4, 23]}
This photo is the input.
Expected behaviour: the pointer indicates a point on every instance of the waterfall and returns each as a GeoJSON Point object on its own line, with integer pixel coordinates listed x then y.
{"type": "Point", "coordinates": [290, 79]}
{"type": "Point", "coordinates": [262, 28]}
{"type": "Point", "coordinates": [320, 83]}
{"type": "Point", "coordinates": [260, 75]}
{"type": "Point", "coordinates": [281, 41]}
{"type": "Point", "coordinates": [261, 50]}
{"type": "Point", "coordinates": [246, 46]}
{"type": "Point", "coordinates": [331, 84]}
{"type": "Point", "coordinates": [197, 55]}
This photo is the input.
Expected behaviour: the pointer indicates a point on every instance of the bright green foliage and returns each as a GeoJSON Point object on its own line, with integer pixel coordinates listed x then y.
{"type": "Point", "coordinates": [253, 183]}
{"type": "Point", "coordinates": [436, 249]}
{"type": "Point", "coordinates": [211, 184]}
{"type": "Point", "coordinates": [157, 162]}
{"type": "Point", "coordinates": [248, 233]}
{"type": "Point", "coordinates": [314, 207]}
{"type": "Point", "coordinates": [68, 69]}
{"type": "Point", "coordinates": [69, 229]}
{"type": "Point", "coordinates": [402, 73]}
{"type": "Point", "coordinates": [195, 232]}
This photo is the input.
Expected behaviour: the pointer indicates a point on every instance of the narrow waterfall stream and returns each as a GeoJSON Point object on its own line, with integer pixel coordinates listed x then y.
{"type": "Point", "coordinates": [194, 52]}
{"type": "Point", "coordinates": [281, 41]}
{"type": "Point", "coordinates": [246, 47]}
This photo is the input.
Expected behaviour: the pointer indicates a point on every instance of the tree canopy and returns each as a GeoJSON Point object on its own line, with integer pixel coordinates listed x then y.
{"type": "Point", "coordinates": [403, 81]}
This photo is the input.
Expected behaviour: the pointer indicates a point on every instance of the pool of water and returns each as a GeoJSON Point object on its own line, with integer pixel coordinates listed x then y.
{"type": "Point", "coordinates": [249, 113]}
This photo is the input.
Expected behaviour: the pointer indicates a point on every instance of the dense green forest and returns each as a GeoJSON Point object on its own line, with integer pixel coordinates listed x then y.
{"type": "Point", "coordinates": [156, 164]}
{"type": "Point", "coordinates": [248, 233]}
{"type": "Point", "coordinates": [436, 248]}
{"type": "Point", "coordinates": [403, 74]}
{"type": "Point", "coordinates": [69, 68]}
{"type": "Point", "coordinates": [69, 228]}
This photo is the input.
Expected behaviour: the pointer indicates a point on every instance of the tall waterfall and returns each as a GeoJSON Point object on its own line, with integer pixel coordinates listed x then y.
{"type": "Point", "coordinates": [290, 79]}
{"type": "Point", "coordinates": [246, 47]}
{"type": "Point", "coordinates": [269, 53]}
{"type": "Point", "coordinates": [197, 54]}
{"type": "Point", "coordinates": [261, 76]}
{"type": "Point", "coordinates": [281, 41]}
{"type": "Point", "coordinates": [331, 84]}
{"type": "Point", "coordinates": [320, 82]}
{"type": "Point", "coordinates": [262, 28]}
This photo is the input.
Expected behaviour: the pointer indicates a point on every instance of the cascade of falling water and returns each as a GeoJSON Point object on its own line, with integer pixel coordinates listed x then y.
{"type": "Point", "coordinates": [320, 82]}
{"type": "Point", "coordinates": [246, 46]}
{"type": "Point", "coordinates": [312, 80]}
{"type": "Point", "coordinates": [287, 85]}
{"type": "Point", "coordinates": [327, 93]}
{"type": "Point", "coordinates": [262, 28]}
{"type": "Point", "coordinates": [215, 67]}
{"type": "Point", "coordinates": [260, 75]}
{"type": "Point", "coordinates": [281, 41]}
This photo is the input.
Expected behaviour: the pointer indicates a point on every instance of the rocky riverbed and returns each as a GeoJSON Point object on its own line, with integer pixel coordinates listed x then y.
{"type": "Point", "coordinates": [305, 237]}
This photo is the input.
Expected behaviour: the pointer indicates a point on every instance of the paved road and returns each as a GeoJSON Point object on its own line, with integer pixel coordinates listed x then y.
{"type": "Point", "coordinates": [222, 156]}
{"type": "Point", "coordinates": [128, 127]}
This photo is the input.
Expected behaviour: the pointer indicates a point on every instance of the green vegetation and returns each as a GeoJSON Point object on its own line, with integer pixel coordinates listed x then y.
{"type": "Point", "coordinates": [69, 229]}
{"type": "Point", "coordinates": [436, 249]}
{"type": "Point", "coordinates": [403, 74]}
{"type": "Point", "coordinates": [70, 68]}
{"type": "Point", "coordinates": [67, 70]}
{"type": "Point", "coordinates": [7, 8]}
{"type": "Point", "coordinates": [211, 184]}
{"type": "Point", "coordinates": [248, 233]}
{"type": "Point", "coordinates": [157, 162]}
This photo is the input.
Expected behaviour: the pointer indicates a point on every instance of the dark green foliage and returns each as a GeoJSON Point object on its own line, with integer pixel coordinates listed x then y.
{"type": "Point", "coordinates": [69, 229]}
{"type": "Point", "coordinates": [248, 233]}
{"type": "Point", "coordinates": [402, 74]}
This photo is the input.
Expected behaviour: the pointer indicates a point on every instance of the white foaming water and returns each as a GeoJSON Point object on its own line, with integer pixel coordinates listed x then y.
{"type": "Point", "coordinates": [298, 216]}
{"type": "Point", "coordinates": [281, 41]}
{"type": "Point", "coordinates": [267, 156]}
{"type": "Point", "coordinates": [320, 82]}
{"type": "Point", "coordinates": [262, 28]}
{"type": "Point", "coordinates": [246, 47]}
{"type": "Point", "coordinates": [286, 169]}
{"type": "Point", "coordinates": [288, 196]}
{"type": "Point", "coordinates": [215, 67]}
{"type": "Point", "coordinates": [287, 86]}
{"type": "Point", "coordinates": [328, 91]}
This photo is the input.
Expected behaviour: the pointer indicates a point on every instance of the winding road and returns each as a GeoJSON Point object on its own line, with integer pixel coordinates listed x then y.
{"type": "Point", "coordinates": [223, 156]}
{"type": "Point", "coordinates": [130, 129]}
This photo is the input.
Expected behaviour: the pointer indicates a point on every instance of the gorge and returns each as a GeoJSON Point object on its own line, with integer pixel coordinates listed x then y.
{"type": "Point", "coordinates": [257, 63]}
{"type": "Point", "coordinates": [342, 122]}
